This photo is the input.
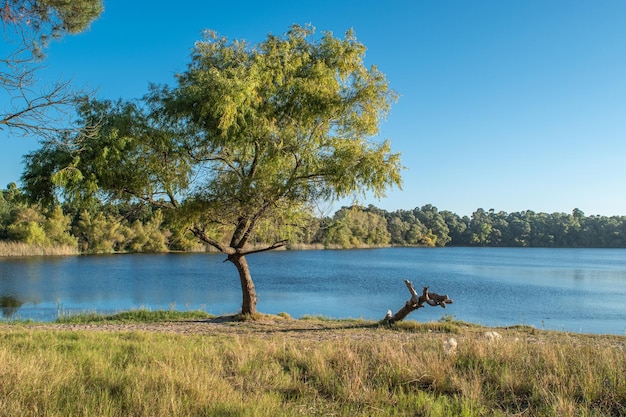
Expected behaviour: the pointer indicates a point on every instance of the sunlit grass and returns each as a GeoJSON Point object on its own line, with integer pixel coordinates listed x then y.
{"type": "Point", "coordinates": [366, 370]}
{"type": "Point", "coordinates": [23, 249]}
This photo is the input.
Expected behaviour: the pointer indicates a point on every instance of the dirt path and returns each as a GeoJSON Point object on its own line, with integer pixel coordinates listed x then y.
{"type": "Point", "coordinates": [266, 327]}
{"type": "Point", "coordinates": [319, 330]}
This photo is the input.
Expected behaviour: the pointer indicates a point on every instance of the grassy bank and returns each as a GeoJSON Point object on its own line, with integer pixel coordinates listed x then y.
{"type": "Point", "coordinates": [283, 367]}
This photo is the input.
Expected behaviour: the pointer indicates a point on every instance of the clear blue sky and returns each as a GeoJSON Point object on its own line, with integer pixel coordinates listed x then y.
{"type": "Point", "coordinates": [510, 105]}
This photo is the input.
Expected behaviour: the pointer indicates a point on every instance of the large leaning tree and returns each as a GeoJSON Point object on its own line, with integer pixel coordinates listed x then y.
{"type": "Point", "coordinates": [28, 106]}
{"type": "Point", "coordinates": [250, 134]}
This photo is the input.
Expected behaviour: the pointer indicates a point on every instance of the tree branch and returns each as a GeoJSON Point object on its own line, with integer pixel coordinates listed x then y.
{"type": "Point", "coordinates": [416, 302]}
{"type": "Point", "coordinates": [275, 245]}
{"type": "Point", "coordinates": [44, 113]}
{"type": "Point", "coordinates": [150, 200]}
{"type": "Point", "coordinates": [201, 234]}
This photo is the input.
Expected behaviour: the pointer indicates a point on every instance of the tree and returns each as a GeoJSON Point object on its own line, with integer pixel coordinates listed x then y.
{"type": "Point", "coordinates": [29, 25]}
{"type": "Point", "coordinates": [407, 229]}
{"type": "Point", "coordinates": [57, 227]}
{"type": "Point", "coordinates": [397, 228]}
{"type": "Point", "coordinates": [27, 226]}
{"type": "Point", "coordinates": [98, 234]}
{"type": "Point", "coordinates": [148, 236]}
{"type": "Point", "coordinates": [250, 133]}
{"type": "Point", "coordinates": [10, 199]}
{"type": "Point", "coordinates": [480, 227]}
{"type": "Point", "coordinates": [519, 231]}
{"type": "Point", "coordinates": [355, 227]}
{"type": "Point", "coordinates": [430, 217]}
{"type": "Point", "coordinates": [458, 228]}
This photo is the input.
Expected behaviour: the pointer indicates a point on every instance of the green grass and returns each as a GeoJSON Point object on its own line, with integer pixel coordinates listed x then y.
{"type": "Point", "coordinates": [347, 369]}
{"type": "Point", "coordinates": [135, 316]}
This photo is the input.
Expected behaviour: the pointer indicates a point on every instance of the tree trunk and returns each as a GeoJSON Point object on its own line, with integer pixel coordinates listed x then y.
{"type": "Point", "coordinates": [248, 305]}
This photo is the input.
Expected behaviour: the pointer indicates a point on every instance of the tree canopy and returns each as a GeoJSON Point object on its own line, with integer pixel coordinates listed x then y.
{"type": "Point", "coordinates": [250, 133]}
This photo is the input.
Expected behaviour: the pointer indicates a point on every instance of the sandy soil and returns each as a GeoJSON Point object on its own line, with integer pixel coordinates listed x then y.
{"type": "Point", "coordinates": [318, 330]}
{"type": "Point", "coordinates": [266, 327]}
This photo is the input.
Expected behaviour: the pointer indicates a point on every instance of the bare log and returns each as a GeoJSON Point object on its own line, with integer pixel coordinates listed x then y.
{"type": "Point", "coordinates": [416, 302]}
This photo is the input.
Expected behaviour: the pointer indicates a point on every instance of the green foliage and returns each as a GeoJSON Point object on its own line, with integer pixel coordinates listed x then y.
{"type": "Point", "coordinates": [282, 123]}
{"type": "Point", "coordinates": [34, 226]}
{"type": "Point", "coordinates": [355, 226]}
{"type": "Point", "coordinates": [136, 227]}
{"type": "Point", "coordinates": [263, 131]}
{"type": "Point", "coordinates": [11, 199]}
{"type": "Point", "coordinates": [147, 237]}
{"type": "Point", "coordinates": [25, 226]}
{"type": "Point", "coordinates": [98, 234]}
{"type": "Point", "coordinates": [296, 227]}
{"type": "Point", "coordinates": [28, 232]}
{"type": "Point", "coordinates": [114, 162]}
{"type": "Point", "coordinates": [438, 230]}
{"type": "Point", "coordinates": [57, 228]}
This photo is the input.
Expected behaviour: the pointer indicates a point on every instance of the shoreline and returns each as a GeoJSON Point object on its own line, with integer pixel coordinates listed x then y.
{"type": "Point", "coordinates": [313, 327]}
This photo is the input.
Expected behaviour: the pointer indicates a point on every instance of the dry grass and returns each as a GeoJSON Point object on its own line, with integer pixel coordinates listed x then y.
{"type": "Point", "coordinates": [24, 249]}
{"type": "Point", "coordinates": [282, 367]}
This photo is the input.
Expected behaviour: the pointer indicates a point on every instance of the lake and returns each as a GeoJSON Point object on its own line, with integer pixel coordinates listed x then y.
{"type": "Point", "coordinates": [577, 290]}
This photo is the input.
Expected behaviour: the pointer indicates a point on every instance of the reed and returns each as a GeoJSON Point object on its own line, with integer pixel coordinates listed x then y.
{"type": "Point", "coordinates": [25, 249]}
{"type": "Point", "coordinates": [373, 371]}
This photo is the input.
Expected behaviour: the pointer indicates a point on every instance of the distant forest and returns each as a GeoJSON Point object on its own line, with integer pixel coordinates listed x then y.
{"type": "Point", "coordinates": [139, 228]}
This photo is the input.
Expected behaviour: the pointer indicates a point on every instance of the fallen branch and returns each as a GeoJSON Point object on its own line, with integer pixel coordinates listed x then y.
{"type": "Point", "coordinates": [417, 301]}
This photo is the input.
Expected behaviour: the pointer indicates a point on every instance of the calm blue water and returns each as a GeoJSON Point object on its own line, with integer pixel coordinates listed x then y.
{"type": "Point", "coordinates": [579, 290]}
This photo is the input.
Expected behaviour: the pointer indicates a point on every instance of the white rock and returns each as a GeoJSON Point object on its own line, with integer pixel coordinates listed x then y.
{"type": "Point", "coordinates": [492, 336]}
{"type": "Point", "coordinates": [449, 346]}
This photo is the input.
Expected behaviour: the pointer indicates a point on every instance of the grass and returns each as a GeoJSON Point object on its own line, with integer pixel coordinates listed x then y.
{"type": "Point", "coordinates": [338, 369]}
{"type": "Point", "coordinates": [24, 249]}
{"type": "Point", "coordinates": [135, 316]}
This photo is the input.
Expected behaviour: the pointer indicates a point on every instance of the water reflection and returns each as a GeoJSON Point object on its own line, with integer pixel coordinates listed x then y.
{"type": "Point", "coordinates": [9, 305]}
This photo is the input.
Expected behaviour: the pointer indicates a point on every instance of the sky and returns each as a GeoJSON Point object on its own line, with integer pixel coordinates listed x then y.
{"type": "Point", "coordinates": [504, 105]}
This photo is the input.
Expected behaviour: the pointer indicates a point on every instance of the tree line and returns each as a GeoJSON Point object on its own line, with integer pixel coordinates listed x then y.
{"type": "Point", "coordinates": [125, 227]}
{"type": "Point", "coordinates": [427, 226]}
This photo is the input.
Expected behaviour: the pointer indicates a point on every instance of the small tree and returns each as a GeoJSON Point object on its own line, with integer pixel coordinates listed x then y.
{"type": "Point", "coordinates": [57, 227]}
{"type": "Point", "coordinates": [98, 234]}
{"type": "Point", "coordinates": [26, 226]}
{"type": "Point", "coordinates": [251, 133]}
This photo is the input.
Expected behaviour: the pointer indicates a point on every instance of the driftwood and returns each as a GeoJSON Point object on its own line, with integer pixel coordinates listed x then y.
{"type": "Point", "coordinates": [417, 301]}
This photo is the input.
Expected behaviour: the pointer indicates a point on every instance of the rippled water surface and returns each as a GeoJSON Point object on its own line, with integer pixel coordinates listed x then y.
{"type": "Point", "coordinates": [580, 290]}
